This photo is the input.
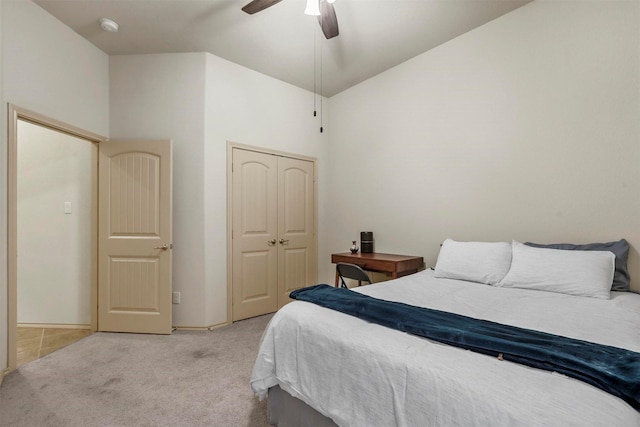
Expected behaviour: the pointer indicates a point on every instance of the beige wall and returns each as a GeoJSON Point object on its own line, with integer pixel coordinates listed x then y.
{"type": "Point", "coordinates": [526, 128]}
{"type": "Point", "coordinates": [50, 69]}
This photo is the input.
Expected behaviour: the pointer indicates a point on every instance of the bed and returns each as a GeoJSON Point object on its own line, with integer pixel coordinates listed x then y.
{"type": "Point", "coordinates": [341, 370]}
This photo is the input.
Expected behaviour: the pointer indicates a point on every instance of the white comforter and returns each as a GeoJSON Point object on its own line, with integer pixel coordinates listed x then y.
{"type": "Point", "coordinates": [362, 374]}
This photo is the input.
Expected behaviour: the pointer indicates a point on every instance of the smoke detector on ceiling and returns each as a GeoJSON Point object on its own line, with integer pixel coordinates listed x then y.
{"type": "Point", "coordinates": [108, 25]}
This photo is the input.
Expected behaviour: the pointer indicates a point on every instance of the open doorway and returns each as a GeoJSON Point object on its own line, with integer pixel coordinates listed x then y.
{"type": "Point", "coordinates": [54, 225]}
{"type": "Point", "coordinates": [52, 234]}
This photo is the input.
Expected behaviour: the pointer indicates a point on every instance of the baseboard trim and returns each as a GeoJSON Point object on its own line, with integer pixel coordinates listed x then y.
{"type": "Point", "coordinates": [53, 326]}
{"type": "Point", "coordinates": [218, 325]}
{"type": "Point", "coordinates": [4, 372]}
{"type": "Point", "coordinates": [189, 328]}
{"type": "Point", "coordinates": [200, 328]}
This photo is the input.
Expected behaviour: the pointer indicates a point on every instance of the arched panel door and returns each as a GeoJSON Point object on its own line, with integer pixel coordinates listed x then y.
{"type": "Point", "coordinates": [273, 230]}
{"type": "Point", "coordinates": [134, 237]}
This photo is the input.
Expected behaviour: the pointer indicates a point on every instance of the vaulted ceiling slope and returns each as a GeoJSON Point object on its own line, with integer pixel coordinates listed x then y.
{"type": "Point", "coordinates": [281, 41]}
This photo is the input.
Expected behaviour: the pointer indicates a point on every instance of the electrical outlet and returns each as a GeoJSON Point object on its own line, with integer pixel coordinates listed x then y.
{"type": "Point", "coordinates": [175, 298]}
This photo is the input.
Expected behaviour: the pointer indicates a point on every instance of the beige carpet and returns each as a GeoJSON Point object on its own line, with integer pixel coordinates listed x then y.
{"type": "Point", "coordinates": [107, 379]}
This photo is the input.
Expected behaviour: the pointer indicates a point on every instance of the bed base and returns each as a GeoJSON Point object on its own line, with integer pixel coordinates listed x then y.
{"type": "Point", "coordinates": [288, 411]}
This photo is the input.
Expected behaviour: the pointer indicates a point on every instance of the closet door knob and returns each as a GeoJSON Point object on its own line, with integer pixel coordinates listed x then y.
{"type": "Point", "coordinates": [164, 247]}
{"type": "Point", "coordinates": [271, 242]}
{"type": "Point", "coordinates": [284, 241]}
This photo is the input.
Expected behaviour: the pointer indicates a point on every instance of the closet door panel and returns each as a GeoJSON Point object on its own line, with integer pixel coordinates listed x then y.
{"type": "Point", "coordinates": [296, 228]}
{"type": "Point", "coordinates": [255, 250]}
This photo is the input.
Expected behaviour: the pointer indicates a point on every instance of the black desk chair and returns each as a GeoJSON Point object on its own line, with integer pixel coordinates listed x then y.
{"type": "Point", "coordinates": [351, 271]}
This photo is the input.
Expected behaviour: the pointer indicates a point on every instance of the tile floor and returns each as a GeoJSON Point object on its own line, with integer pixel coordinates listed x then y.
{"type": "Point", "coordinates": [34, 343]}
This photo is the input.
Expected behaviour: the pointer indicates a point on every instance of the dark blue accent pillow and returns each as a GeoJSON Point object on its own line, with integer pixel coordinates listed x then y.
{"type": "Point", "coordinates": [620, 249]}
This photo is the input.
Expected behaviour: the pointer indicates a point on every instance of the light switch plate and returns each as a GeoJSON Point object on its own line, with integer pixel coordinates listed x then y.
{"type": "Point", "coordinates": [67, 207]}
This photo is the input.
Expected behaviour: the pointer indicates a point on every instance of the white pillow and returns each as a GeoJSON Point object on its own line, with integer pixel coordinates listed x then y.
{"type": "Point", "coordinates": [582, 273]}
{"type": "Point", "coordinates": [483, 262]}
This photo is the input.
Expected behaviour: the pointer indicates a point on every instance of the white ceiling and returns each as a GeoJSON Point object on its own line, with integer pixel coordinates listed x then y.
{"type": "Point", "coordinates": [375, 35]}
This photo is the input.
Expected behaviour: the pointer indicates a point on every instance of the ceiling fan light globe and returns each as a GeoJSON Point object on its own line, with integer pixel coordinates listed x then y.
{"type": "Point", "coordinates": [313, 8]}
{"type": "Point", "coordinates": [331, 1]}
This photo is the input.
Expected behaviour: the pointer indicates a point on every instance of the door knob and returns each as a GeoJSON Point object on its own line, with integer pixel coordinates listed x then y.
{"type": "Point", "coordinates": [271, 242]}
{"type": "Point", "coordinates": [283, 241]}
{"type": "Point", "coordinates": [163, 246]}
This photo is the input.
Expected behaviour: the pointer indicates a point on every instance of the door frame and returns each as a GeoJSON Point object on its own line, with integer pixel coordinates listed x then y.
{"type": "Point", "coordinates": [235, 145]}
{"type": "Point", "coordinates": [16, 113]}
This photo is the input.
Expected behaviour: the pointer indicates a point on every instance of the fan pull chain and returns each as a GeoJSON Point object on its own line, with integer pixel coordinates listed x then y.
{"type": "Point", "coordinates": [321, 121]}
{"type": "Point", "coordinates": [315, 37]}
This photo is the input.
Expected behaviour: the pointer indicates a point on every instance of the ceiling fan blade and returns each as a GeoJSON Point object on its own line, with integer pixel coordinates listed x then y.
{"type": "Point", "coordinates": [328, 20]}
{"type": "Point", "coordinates": [258, 5]}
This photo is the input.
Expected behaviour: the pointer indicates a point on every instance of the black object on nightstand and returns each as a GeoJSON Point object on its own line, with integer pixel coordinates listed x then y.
{"type": "Point", "coordinates": [366, 242]}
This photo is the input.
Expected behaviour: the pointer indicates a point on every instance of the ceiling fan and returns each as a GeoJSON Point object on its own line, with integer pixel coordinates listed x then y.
{"type": "Point", "coordinates": [321, 8]}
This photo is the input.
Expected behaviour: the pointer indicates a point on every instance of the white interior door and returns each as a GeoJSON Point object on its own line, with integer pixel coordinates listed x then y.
{"type": "Point", "coordinates": [134, 237]}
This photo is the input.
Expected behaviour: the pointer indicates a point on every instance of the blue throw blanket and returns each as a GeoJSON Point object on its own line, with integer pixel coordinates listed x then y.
{"type": "Point", "coordinates": [615, 370]}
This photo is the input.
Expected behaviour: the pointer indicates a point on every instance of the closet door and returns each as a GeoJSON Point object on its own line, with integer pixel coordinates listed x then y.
{"type": "Point", "coordinates": [255, 226]}
{"type": "Point", "coordinates": [296, 232]}
{"type": "Point", "coordinates": [273, 231]}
